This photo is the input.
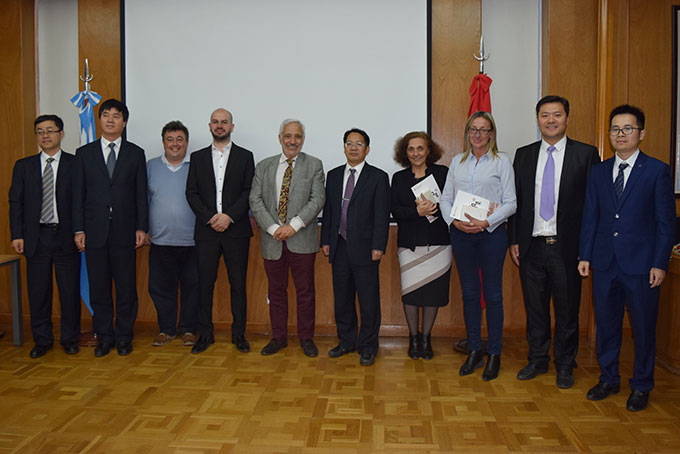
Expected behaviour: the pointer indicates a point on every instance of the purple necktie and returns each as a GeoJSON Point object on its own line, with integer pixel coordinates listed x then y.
{"type": "Point", "coordinates": [548, 187]}
{"type": "Point", "coordinates": [349, 189]}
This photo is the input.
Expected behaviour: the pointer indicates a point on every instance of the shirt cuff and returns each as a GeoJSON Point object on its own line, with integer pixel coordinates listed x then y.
{"type": "Point", "coordinates": [297, 223]}
{"type": "Point", "coordinates": [272, 228]}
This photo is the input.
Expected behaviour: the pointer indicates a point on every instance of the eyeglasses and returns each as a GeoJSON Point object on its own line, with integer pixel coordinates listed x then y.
{"type": "Point", "coordinates": [626, 130]}
{"type": "Point", "coordinates": [48, 132]}
{"type": "Point", "coordinates": [351, 144]}
{"type": "Point", "coordinates": [481, 132]}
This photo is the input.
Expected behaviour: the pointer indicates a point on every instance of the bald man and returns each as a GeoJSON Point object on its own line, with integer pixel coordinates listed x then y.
{"type": "Point", "coordinates": [218, 186]}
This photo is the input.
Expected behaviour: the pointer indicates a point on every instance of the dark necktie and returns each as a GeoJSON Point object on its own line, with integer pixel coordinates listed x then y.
{"type": "Point", "coordinates": [349, 189]}
{"type": "Point", "coordinates": [47, 209]}
{"type": "Point", "coordinates": [111, 160]}
{"type": "Point", "coordinates": [285, 189]}
{"type": "Point", "coordinates": [547, 208]}
{"type": "Point", "coordinates": [618, 183]}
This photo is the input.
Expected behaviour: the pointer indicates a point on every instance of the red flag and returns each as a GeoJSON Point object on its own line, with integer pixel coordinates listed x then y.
{"type": "Point", "coordinates": [480, 99]}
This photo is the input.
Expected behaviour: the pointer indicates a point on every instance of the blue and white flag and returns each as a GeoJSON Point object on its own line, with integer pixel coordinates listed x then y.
{"type": "Point", "coordinates": [85, 102]}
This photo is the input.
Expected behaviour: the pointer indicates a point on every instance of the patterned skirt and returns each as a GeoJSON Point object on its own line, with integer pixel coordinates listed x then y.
{"type": "Point", "coordinates": [425, 275]}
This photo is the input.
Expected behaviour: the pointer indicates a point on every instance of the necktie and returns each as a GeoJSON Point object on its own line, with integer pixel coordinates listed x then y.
{"type": "Point", "coordinates": [547, 210]}
{"type": "Point", "coordinates": [285, 189]}
{"type": "Point", "coordinates": [111, 160]}
{"type": "Point", "coordinates": [349, 189]}
{"type": "Point", "coordinates": [47, 209]}
{"type": "Point", "coordinates": [618, 183]}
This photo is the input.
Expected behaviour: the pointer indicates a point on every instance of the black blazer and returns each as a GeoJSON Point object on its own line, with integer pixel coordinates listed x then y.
{"type": "Point", "coordinates": [578, 159]}
{"type": "Point", "coordinates": [25, 202]}
{"type": "Point", "coordinates": [202, 194]}
{"type": "Point", "coordinates": [368, 214]}
{"type": "Point", "coordinates": [110, 208]}
{"type": "Point", "coordinates": [415, 230]}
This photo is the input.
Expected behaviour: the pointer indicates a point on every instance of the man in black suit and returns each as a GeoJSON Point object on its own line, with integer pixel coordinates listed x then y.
{"type": "Point", "coordinates": [40, 200]}
{"type": "Point", "coordinates": [110, 220]}
{"type": "Point", "coordinates": [218, 186]}
{"type": "Point", "coordinates": [354, 232]}
{"type": "Point", "coordinates": [550, 182]}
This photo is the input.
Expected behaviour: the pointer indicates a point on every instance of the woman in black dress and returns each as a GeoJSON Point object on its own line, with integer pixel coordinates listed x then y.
{"type": "Point", "coordinates": [423, 238]}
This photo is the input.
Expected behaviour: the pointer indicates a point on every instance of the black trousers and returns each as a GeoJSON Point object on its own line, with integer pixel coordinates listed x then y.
{"type": "Point", "coordinates": [173, 268]}
{"type": "Point", "coordinates": [48, 255]}
{"type": "Point", "coordinates": [234, 252]}
{"type": "Point", "coordinates": [106, 265]}
{"type": "Point", "coordinates": [349, 282]}
{"type": "Point", "coordinates": [544, 274]}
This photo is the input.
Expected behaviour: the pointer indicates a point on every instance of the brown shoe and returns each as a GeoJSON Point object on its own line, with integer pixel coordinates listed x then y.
{"type": "Point", "coordinates": [162, 339]}
{"type": "Point", "coordinates": [189, 339]}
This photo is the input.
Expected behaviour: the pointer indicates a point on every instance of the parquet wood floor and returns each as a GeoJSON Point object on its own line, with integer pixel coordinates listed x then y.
{"type": "Point", "coordinates": [165, 400]}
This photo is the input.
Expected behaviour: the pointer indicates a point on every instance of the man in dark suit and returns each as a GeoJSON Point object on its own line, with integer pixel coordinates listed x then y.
{"type": "Point", "coordinates": [110, 220]}
{"type": "Point", "coordinates": [286, 198]}
{"type": "Point", "coordinates": [218, 186]}
{"type": "Point", "coordinates": [626, 237]}
{"type": "Point", "coordinates": [550, 182]}
{"type": "Point", "coordinates": [354, 232]}
{"type": "Point", "coordinates": [40, 200]}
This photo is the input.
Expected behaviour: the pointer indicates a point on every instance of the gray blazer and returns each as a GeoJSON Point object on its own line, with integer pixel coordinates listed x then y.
{"type": "Point", "coordinates": [305, 199]}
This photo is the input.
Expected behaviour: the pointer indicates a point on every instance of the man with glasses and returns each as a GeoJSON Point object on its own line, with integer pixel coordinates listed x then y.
{"type": "Point", "coordinates": [550, 183]}
{"type": "Point", "coordinates": [354, 233]}
{"type": "Point", "coordinates": [626, 237]}
{"type": "Point", "coordinates": [40, 199]}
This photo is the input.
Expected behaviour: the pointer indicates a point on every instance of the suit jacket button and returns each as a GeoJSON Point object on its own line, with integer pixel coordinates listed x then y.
{"type": "Point", "coordinates": [616, 216]}
{"type": "Point", "coordinates": [616, 233]}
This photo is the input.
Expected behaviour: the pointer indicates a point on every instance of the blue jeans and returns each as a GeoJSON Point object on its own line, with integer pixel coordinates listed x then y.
{"type": "Point", "coordinates": [486, 251]}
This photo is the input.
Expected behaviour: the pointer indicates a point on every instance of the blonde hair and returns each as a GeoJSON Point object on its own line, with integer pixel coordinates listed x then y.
{"type": "Point", "coordinates": [493, 146]}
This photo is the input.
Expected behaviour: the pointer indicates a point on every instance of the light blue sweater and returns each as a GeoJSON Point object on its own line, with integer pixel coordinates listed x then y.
{"type": "Point", "coordinates": [171, 221]}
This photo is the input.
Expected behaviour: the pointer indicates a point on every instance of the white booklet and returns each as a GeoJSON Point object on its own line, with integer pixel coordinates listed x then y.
{"type": "Point", "coordinates": [475, 206]}
{"type": "Point", "coordinates": [430, 190]}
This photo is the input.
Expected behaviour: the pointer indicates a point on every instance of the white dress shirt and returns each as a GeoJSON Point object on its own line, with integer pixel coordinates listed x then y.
{"type": "Point", "coordinates": [541, 226]}
{"type": "Point", "coordinates": [359, 167]}
{"type": "Point", "coordinates": [106, 150]}
{"type": "Point", "coordinates": [295, 222]}
{"type": "Point", "coordinates": [220, 159]}
{"type": "Point", "coordinates": [626, 172]}
{"type": "Point", "coordinates": [174, 168]}
{"type": "Point", "coordinates": [55, 169]}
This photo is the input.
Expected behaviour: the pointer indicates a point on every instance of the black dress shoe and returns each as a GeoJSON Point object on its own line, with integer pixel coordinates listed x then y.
{"type": "Point", "coordinates": [493, 364]}
{"type": "Point", "coordinates": [272, 347]}
{"type": "Point", "coordinates": [637, 400]}
{"type": "Point", "coordinates": [102, 349]}
{"type": "Point", "coordinates": [241, 343]}
{"type": "Point", "coordinates": [601, 391]}
{"type": "Point", "coordinates": [474, 361]}
{"type": "Point", "coordinates": [124, 348]}
{"type": "Point", "coordinates": [339, 350]}
{"type": "Point", "coordinates": [530, 371]}
{"type": "Point", "coordinates": [367, 359]}
{"type": "Point", "coordinates": [202, 343]}
{"type": "Point", "coordinates": [414, 346]}
{"type": "Point", "coordinates": [71, 348]}
{"type": "Point", "coordinates": [426, 348]}
{"type": "Point", "coordinates": [39, 350]}
{"type": "Point", "coordinates": [564, 379]}
{"type": "Point", "coordinates": [309, 348]}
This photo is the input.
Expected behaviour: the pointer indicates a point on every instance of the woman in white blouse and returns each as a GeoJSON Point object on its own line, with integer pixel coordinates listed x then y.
{"type": "Point", "coordinates": [480, 245]}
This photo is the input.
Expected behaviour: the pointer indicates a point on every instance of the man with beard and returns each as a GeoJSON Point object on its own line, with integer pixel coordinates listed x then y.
{"type": "Point", "coordinates": [218, 186]}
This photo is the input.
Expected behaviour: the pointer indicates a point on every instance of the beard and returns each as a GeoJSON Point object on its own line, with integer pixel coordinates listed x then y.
{"type": "Point", "coordinates": [221, 138]}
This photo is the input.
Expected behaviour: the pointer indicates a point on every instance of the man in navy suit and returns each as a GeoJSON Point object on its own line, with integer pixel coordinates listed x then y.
{"type": "Point", "coordinates": [354, 232]}
{"type": "Point", "coordinates": [40, 200]}
{"type": "Point", "coordinates": [218, 185]}
{"type": "Point", "coordinates": [110, 220]}
{"type": "Point", "coordinates": [626, 237]}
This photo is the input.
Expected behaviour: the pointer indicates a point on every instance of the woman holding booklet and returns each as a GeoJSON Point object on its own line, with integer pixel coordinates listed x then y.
{"type": "Point", "coordinates": [423, 237]}
{"type": "Point", "coordinates": [478, 198]}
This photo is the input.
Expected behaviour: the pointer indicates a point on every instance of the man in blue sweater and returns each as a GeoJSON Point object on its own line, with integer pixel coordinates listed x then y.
{"type": "Point", "coordinates": [172, 258]}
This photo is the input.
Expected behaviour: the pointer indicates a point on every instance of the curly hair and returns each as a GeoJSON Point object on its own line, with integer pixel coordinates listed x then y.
{"type": "Point", "coordinates": [400, 146]}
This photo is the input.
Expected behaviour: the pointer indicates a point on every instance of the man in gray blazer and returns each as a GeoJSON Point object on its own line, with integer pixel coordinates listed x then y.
{"type": "Point", "coordinates": [286, 197]}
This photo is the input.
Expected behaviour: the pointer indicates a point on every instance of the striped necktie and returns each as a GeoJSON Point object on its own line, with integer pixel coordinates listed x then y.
{"type": "Point", "coordinates": [47, 210]}
{"type": "Point", "coordinates": [618, 183]}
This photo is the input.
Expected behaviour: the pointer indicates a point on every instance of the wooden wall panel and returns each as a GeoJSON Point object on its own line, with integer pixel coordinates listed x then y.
{"type": "Point", "coordinates": [17, 111]}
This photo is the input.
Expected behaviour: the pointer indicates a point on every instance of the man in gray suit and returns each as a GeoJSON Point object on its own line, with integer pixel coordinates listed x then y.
{"type": "Point", "coordinates": [286, 197]}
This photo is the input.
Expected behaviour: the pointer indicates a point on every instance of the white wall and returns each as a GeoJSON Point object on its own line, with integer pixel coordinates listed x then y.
{"type": "Point", "coordinates": [511, 32]}
{"type": "Point", "coordinates": [58, 65]}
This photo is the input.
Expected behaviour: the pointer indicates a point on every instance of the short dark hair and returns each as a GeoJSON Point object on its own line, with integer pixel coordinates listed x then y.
{"type": "Point", "coordinates": [114, 104]}
{"type": "Point", "coordinates": [50, 117]}
{"type": "Point", "coordinates": [401, 145]}
{"type": "Point", "coordinates": [175, 125]}
{"type": "Point", "coordinates": [551, 99]}
{"type": "Point", "coordinates": [358, 131]}
{"type": "Point", "coordinates": [628, 109]}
